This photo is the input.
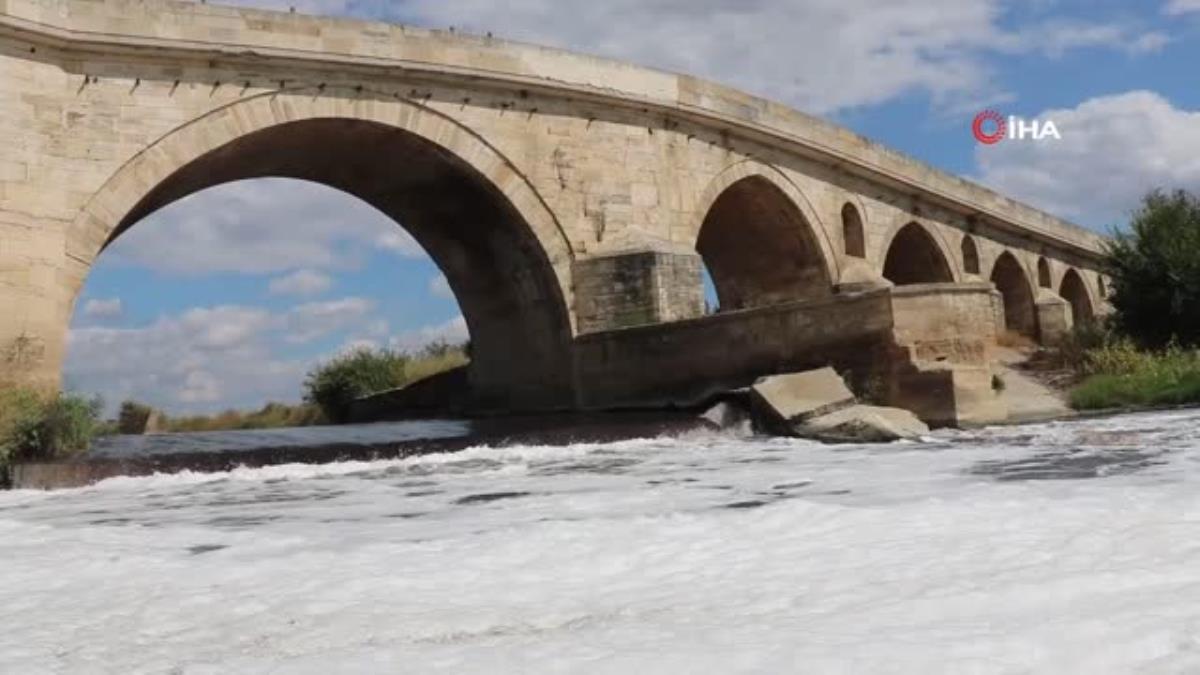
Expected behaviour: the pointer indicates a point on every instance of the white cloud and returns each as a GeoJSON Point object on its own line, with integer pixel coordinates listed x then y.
{"type": "Point", "coordinates": [200, 386]}
{"type": "Point", "coordinates": [453, 331]}
{"type": "Point", "coordinates": [1177, 7]}
{"type": "Point", "coordinates": [262, 226]}
{"type": "Point", "coordinates": [1055, 38]}
{"type": "Point", "coordinates": [1113, 150]}
{"type": "Point", "coordinates": [301, 282]}
{"type": "Point", "coordinates": [212, 358]}
{"type": "Point", "coordinates": [820, 55]}
{"type": "Point", "coordinates": [319, 319]}
{"type": "Point", "coordinates": [108, 308]}
{"type": "Point", "coordinates": [188, 362]}
{"type": "Point", "coordinates": [439, 287]}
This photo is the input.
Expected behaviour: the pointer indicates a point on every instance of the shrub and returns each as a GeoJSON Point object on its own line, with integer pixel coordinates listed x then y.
{"type": "Point", "coordinates": [132, 417]}
{"type": "Point", "coordinates": [1075, 348]}
{"type": "Point", "coordinates": [69, 423]}
{"type": "Point", "coordinates": [1121, 357]}
{"type": "Point", "coordinates": [36, 427]}
{"type": "Point", "coordinates": [20, 413]}
{"type": "Point", "coordinates": [333, 386]}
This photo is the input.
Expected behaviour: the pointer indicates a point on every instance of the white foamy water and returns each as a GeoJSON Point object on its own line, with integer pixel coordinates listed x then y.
{"type": "Point", "coordinates": [1050, 548]}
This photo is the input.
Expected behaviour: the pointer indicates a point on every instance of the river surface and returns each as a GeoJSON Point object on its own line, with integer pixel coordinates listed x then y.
{"type": "Point", "coordinates": [1053, 548]}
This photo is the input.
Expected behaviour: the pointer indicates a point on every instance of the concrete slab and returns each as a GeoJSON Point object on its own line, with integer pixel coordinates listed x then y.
{"type": "Point", "coordinates": [796, 397]}
{"type": "Point", "coordinates": [864, 424]}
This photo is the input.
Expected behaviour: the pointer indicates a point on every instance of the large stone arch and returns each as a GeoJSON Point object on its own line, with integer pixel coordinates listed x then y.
{"type": "Point", "coordinates": [501, 249]}
{"type": "Point", "coordinates": [1013, 281]}
{"type": "Point", "coordinates": [914, 255]}
{"type": "Point", "coordinates": [1074, 290]}
{"type": "Point", "coordinates": [761, 241]}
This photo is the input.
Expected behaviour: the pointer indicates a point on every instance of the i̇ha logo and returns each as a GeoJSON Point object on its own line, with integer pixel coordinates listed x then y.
{"type": "Point", "coordinates": [990, 128]}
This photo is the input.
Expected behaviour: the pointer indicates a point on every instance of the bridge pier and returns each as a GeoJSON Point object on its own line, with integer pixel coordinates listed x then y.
{"type": "Point", "coordinates": [1053, 317]}
{"type": "Point", "coordinates": [637, 287]}
{"type": "Point", "coordinates": [34, 314]}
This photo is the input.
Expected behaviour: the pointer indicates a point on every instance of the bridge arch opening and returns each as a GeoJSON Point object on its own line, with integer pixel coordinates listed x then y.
{"type": "Point", "coordinates": [853, 237]}
{"type": "Point", "coordinates": [759, 249]}
{"type": "Point", "coordinates": [1020, 313]}
{"type": "Point", "coordinates": [915, 258]}
{"type": "Point", "coordinates": [1044, 273]}
{"type": "Point", "coordinates": [493, 263]}
{"type": "Point", "coordinates": [1074, 291]}
{"type": "Point", "coordinates": [970, 255]}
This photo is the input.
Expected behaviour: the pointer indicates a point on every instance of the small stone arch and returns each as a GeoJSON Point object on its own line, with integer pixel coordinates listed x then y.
{"type": "Point", "coordinates": [1075, 292]}
{"type": "Point", "coordinates": [749, 167]}
{"type": "Point", "coordinates": [1043, 271]}
{"type": "Point", "coordinates": [915, 257]}
{"type": "Point", "coordinates": [970, 255]}
{"type": "Point", "coordinates": [853, 238]}
{"type": "Point", "coordinates": [1020, 310]}
{"type": "Point", "coordinates": [759, 248]}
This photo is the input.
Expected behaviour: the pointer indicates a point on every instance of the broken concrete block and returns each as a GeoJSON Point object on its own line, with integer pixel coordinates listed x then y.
{"type": "Point", "coordinates": [796, 397]}
{"type": "Point", "coordinates": [863, 424]}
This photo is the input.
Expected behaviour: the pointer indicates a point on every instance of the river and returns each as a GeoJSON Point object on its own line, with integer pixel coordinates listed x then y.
{"type": "Point", "coordinates": [1060, 547]}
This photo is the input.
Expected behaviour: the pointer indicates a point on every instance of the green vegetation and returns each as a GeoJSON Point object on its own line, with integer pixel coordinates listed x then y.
{"type": "Point", "coordinates": [334, 385]}
{"type": "Point", "coordinates": [1155, 269]}
{"type": "Point", "coordinates": [1121, 375]}
{"type": "Point", "coordinates": [270, 416]}
{"type": "Point", "coordinates": [1147, 353]}
{"type": "Point", "coordinates": [37, 427]}
{"type": "Point", "coordinates": [133, 417]}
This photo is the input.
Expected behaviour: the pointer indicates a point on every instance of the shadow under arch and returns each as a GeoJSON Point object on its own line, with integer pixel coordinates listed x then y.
{"type": "Point", "coordinates": [759, 247]}
{"type": "Point", "coordinates": [914, 257]}
{"type": "Point", "coordinates": [1075, 292]}
{"type": "Point", "coordinates": [1020, 312]}
{"type": "Point", "coordinates": [500, 266]}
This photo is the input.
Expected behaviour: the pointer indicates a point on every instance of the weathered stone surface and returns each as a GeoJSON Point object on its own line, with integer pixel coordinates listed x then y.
{"type": "Point", "coordinates": [796, 397]}
{"type": "Point", "coordinates": [863, 424]}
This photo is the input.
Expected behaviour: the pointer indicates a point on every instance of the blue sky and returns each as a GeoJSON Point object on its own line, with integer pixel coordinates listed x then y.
{"type": "Point", "coordinates": [226, 298]}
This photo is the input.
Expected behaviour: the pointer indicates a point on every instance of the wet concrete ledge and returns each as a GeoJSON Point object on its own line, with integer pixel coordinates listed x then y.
{"type": "Point", "coordinates": [531, 430]}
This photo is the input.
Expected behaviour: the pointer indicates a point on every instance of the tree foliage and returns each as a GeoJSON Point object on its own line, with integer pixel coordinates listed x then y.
{"type": "Point", "coordinates": [1155, 270]}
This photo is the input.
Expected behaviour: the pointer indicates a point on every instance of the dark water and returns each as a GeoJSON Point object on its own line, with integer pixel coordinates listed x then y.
{"type": "Point", "coordinates": [118, 447]}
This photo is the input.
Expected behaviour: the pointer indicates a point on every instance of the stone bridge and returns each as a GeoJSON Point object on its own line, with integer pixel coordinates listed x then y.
{"type": "Point", "coordinates": [571, 201]}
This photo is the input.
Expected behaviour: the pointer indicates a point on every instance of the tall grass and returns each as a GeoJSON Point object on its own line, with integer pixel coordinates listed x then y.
{"type": "Point", "coordinates": [1119, 375]}
{"type": "Point", "coordinates": [270, 416]}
